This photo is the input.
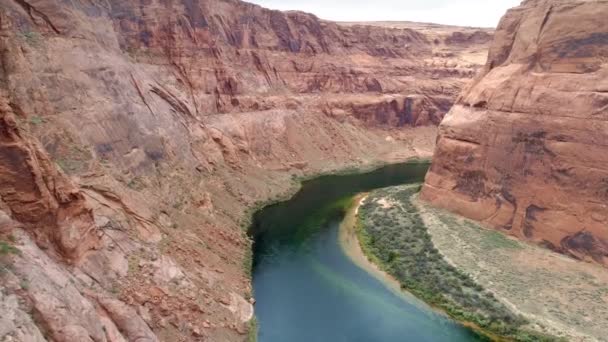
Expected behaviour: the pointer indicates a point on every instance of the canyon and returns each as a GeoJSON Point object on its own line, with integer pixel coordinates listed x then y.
{"type": "Point", "coordinates": [523, 149]}
{"type": "Point", "coordinates": [137, 137]}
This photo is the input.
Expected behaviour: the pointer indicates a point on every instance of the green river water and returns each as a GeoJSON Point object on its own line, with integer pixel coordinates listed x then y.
{"type": "Point", "coordinates": [307, 289]}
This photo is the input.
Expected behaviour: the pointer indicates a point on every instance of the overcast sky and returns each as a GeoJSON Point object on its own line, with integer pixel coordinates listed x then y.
{"type": "Point", "coordinates": [483, 13]}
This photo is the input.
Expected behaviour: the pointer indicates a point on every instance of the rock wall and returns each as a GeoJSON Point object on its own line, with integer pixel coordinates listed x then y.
{"type": "Point", "coordinates": [524, 149]}
{"type": "Point", "coordinates": [135, 136]}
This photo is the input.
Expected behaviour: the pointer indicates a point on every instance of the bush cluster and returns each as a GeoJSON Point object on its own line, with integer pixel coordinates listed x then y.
{"type": "Point", "coordinates": [397, 238]}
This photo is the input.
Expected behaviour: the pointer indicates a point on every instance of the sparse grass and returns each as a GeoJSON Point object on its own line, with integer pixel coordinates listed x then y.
{"type": "Point", "coordinates": [136, 184]}
{"type": "Point", "coordinates": [252, 333]}
{"type": "Point", "coordinates": [7, 248]}
{"type": "Point", "coordinates": [248, 263]}
{"type": "Point", "coordinates": [70, 165]}
{"type": "Point", "coordinates": [396, 238]}
{"type": "Point", "coordinates": [74, 159]}
{"type": "Point", "coordinates": [493, 240]}
{"type": "Point", "coordinates": [32, 38]}
{"type": "Point", "coordinates": [178, 205]}
{"type": "Point", "coordinates": [115, 289]}
{"type": "Point", "coordinates": [567, 297]}
{"type": "Point", "coordinates": [133, 264]}
{"type": "Point", "coordinates": [37, 120]}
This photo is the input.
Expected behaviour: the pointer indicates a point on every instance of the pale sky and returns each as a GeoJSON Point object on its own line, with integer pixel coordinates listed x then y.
{"type": "Point", "coordinates": [481, 13]}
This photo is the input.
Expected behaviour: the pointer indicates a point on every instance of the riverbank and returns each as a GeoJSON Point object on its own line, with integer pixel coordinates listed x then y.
{"type": "Point", "coordinates": [295, 185]}
{"type": "Point", "coordinates": [393, 236]}
{"type": "Point", "coordinates": [297, 181]}
{"type": "Point", "coordinates": [297, 251]}
{"type": "Point", "coordinates": [349, 242]}
{"type": "Point", "coordinates": [351, 247]}
{"type": "Point", "coordinates": [566, 297]}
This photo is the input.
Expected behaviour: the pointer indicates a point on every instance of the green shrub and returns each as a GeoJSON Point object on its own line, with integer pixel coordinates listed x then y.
{"type": "Point", "coordinates": [252, 334]}
{"type": "Point", "coordinates": [401, 244]}
{"type": "Point", "coordinates": [32, 38]}
{"type": "Point", "coordinates": [36, 120]}
{"type": "Point", "coordinates": [7, 248]}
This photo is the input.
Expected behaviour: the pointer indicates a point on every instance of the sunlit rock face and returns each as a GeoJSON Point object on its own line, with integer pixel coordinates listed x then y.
{"type": "Point", "coordinates": [524, 149]}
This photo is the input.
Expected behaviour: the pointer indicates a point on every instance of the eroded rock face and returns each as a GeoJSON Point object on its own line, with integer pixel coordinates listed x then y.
{"type": "Point", "coordinates": [525, 147]}
{"type": "Point", "coordinates": [135, 135]}
{"type": "Point", "coordinates": [38, 194]}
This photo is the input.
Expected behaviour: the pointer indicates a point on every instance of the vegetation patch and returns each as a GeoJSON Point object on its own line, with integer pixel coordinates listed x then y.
{"type": "Point", "coordinates": [566, 298]}
{"type": "Point", "coordinates": [73, 158]}
{"type": "Point", "coordinates": [393, 235]}
{"type": "Point", "coordinates": [136, 183]}
{"type": "Point", "coordinates": [252, 332]}
{"type": "Point", "coordinates": [248, 263]}
{"type": "Point", "coordinates": [37, 120]}
{"type": "Point", "coordinates": [7, 248]}
{"type": "Point", "coordinates": [32, 38]}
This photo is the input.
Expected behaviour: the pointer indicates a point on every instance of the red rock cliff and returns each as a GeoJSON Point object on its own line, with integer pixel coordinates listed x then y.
{"type": "Point", "coordinates": [135, 135]}
{"type": "Point", "coordinates": [525, 148]}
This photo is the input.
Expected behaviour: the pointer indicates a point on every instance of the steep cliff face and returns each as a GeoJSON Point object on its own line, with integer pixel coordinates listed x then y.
{"type": "Point", "coordinates": [135, 135]}
{"type": "Point", "coordinates": [524, 149]}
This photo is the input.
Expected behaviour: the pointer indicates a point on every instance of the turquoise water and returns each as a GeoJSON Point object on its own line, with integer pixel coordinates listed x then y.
{"type": "Point", "coordinates": [307, 289]}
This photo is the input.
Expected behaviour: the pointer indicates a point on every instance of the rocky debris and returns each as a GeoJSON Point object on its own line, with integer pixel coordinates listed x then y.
{"type": "Point", "coordinates": [524, 148]}
{"type": "Point", "coordinates": [239, 306]}
{"type": "Point", "coordinates": [167, 271]}
{"type": "Point", "coordinates": [53, 303]}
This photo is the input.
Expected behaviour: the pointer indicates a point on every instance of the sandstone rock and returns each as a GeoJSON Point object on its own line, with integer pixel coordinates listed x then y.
{"type": "Point", "coordinates": [127, 320]}
{"type": "Point", "coordinates": [166, 271]}
{"type": "Point", "coordinates": [66, 314]}
{"type": "Point", "coordinates": [112, 332]}
{"type": "Point", "coordinates": [136, 129]}
{"type": "Point", "coordinates": [524, 148]}
{"type": "Point", "coordinates": [240, 306]}
{"type": "Point", "coordinates": [7, 224]}
{"type": "Point", "coordinates": [37, 193]}
{"type": "Point", "coordinates": [16, 324]}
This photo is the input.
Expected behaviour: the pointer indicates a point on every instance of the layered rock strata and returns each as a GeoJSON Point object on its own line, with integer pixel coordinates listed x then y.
{"type": "Point", "coordinates": [524, 147]}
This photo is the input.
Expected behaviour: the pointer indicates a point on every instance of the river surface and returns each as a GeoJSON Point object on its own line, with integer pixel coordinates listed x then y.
{"type": "Point", "coordinates": [308, 290]}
